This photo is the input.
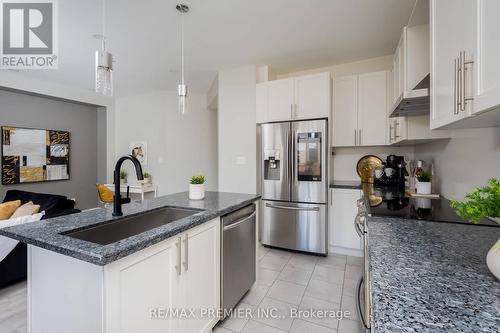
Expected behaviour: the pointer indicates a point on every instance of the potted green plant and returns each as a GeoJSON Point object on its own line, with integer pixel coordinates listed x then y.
{"type": "Point", "coordinates": [483, 202]}
{"type": "Point", "coordinates": [197, 187]}
{"type": "Point", "coordinates": [147, 178]}
{"type": "Point", "coordinates": [123, 176]}
{"type": "Point", "coordinates": [424, 180]}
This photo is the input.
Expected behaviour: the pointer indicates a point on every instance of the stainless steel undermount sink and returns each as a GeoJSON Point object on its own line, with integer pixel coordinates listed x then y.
{"type": "Point", "coordinates": [130, 226]}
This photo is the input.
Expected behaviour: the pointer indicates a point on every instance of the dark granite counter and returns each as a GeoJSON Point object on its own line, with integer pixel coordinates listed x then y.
{"type": "Point", "coordinates": [47, 234]}
{"type": "Point", "coordinates": [347, 184]}
{"type": "Point", "coordinates": [432, 276]}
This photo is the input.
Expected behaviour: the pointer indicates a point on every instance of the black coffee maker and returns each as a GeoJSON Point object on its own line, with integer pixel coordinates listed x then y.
{"type": "Point", "coordinates": [394, 172]}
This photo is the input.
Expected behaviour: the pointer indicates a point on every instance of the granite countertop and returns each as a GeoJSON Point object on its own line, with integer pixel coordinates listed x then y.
{"type": "Point", "coordinates": [347, 184]}
{"type": "Point", "coordinates": [432, 276]}
{"type": "Point", "coordinates": [47, 233]}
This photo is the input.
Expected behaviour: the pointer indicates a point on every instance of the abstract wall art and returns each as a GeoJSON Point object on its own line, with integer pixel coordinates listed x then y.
{"type": "Point", "coordinates": [34, 155]}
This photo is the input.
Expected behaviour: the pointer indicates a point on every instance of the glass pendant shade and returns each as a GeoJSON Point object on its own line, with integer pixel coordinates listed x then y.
{"type": "Point", "coordinates": [183, 99]}
{"type": "Point", "coordinates": [104, 73]}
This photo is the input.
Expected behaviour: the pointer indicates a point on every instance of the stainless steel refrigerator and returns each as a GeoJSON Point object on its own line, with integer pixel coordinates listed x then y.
{"type": "Point", "coordinates": [294, 186]}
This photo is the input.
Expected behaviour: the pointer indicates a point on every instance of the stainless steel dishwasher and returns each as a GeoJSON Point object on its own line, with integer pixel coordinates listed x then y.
{"type": "Point", "coordinates": [238, 261]}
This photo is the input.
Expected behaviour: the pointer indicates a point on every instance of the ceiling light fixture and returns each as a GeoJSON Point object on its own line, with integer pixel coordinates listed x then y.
{"type": "Point", "coordinates": [103, 62]}
{"type": "Point", "coordinates": [182, 89]}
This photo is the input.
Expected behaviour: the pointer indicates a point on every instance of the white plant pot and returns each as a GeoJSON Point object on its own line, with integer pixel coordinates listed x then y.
{"type": "Point", "coordinates": [493, 256]}
{"type": "Point", "coordinates": [123, 181]}
{"type": "Point", "coordinates": [196, 191]}
{"type": "Point", "coordinates": [424, 187]}
{"type": "Point", "coordinates": [146, 181]}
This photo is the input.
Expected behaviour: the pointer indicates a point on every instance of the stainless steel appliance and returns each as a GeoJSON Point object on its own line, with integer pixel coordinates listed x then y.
{"type": "Point", "coordinates": [363, 291]}
{"type": "Point", "coordinates": [238, 263]}
{"type": "Point", "coordinates": [294, 171]}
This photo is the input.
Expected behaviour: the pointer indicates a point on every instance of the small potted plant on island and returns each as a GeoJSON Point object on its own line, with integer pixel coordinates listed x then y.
{"type": "Point", "coordinates": [123, 177]}
{"type": "Point", "coordinates": [483, 202]}
{"type": "Point", "coordinates": [197, 187]}
{"type": "Point", "coordinates": [424, 182]}
{"type": "Point", "coordinates": [147, 178]}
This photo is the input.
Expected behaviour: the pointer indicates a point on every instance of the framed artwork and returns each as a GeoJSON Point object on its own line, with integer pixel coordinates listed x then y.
{"type": "Point", "coordinates": [139, 149]}
{"type": "Point", "coordinates": [34, 155]}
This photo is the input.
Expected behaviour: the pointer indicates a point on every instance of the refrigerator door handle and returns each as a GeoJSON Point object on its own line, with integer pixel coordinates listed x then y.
{"type": "Point", "coordinates": [312, 209]}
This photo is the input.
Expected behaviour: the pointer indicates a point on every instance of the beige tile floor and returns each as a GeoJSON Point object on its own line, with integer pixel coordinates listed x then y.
{"type": "Point", "coordinates": [287, 280]}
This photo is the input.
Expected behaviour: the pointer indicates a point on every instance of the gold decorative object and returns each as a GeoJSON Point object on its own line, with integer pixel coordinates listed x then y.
{"type": "Point", "coordinates": [365, 167]}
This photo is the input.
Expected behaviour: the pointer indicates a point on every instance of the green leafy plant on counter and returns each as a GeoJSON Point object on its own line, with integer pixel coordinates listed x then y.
{"type": "Point", "coordinates": [197, 179]}
{"type": "Point", "coordinates": [481, 202]}
{"type": "Point", "coordinates": [147, 175]}
{"type": "Point", "coordinates": [123, 174]}
{"type": "Point", "coordinates": [425, 176]}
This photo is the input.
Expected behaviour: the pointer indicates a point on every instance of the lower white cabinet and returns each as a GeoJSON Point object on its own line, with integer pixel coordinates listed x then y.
{"type": "Point", "coordinates": [343, 210]}
{"type": "Point", "coordinates": [138, 293]}
{"type": "Point", "coordinates": [179, 273]}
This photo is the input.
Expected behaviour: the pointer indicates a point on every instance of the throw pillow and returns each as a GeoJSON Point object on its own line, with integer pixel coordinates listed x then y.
{"type": "Point", "coordinates": [26, 209]}
{"type": "Point", "coordinates": [8, 208]}
{"type": "Point", "coordinates": [105, 194]}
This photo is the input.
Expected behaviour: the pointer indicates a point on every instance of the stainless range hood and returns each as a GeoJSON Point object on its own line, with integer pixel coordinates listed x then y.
{"type": "Point", "coordinates": [414, 102]}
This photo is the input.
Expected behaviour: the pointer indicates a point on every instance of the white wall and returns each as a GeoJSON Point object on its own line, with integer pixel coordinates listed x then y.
{"type": "Point", "coordinates": [237, 130]}
{"type": "Point", "coordinates": [187, 144]}
{"type": "Point", "coordinates": [466, 161]}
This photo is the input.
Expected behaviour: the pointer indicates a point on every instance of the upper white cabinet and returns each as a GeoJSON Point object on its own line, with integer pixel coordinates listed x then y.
{"type": "Point", "coordinates": [465, 50]}
{"type": "Point", "coordinates": [488, 52]}
{"type": "Point", "coordinates": [262, 100]}
{"type": "Point", "coordinates": [280, 97]}
{"type": "Point", "coordinates": [360, 110]}
{"type": "Point", "coordinates": [312, 96]}
{"type": "Point", "coordinates": [372, 108]}
{"type": "Point", "coordinates": [447, 44]}
{"type": "Point", "coordinates": [345, 111]}
{"type": "Point", "coordinates": [303, 97]}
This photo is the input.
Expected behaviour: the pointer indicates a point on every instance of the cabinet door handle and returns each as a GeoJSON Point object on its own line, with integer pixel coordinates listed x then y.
{"type": "Point", "coordinates": [455, 90]}
{"type": "Point", "coordinates": [291, 111]}
{"type": "Point", "coordinates": [359, 141]}
{"type": "Point", "coordinates": [463, 66]}
{"type": "Point", "coordinates": [178, 265]}
{"type": "Point", "coordinates": [296, 112]}
{"type": "Point", "coordinates": [355, 137]}
{"type": "Point", "coordinates": [396, 125]}
{"type": "Point", "coordinates": [186, 252]}
{"type": "Point", "coordinates": [390, 133]}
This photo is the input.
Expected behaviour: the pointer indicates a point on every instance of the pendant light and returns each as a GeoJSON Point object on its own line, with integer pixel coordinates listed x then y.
{"type": "Point", "coordinates": [182, 90]}
{"type": "Point", "coordinates": [103, 63]}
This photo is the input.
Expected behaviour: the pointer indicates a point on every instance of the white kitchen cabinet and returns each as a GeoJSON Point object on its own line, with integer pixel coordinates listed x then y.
{"type": "Point", "coordinates": [483, 28]}
{"type": "Point", "coordinates": [343, 210]}
{"type": "Point", "coordinates": [139, 283]}
{"type": "Point", "coordinates": [261, 103]}
{"type": "Point", "coordinates": [303, 97]}
{"type": "Point", "coordinates": [201, 274]}
{"type": "Point", "coordinates": [447, 42]}
{"type": "Point", "coordinates": [280, 100]}
{"type": "Point", "coordinates": [360, 110]}
{"type": "Point", "coordinates": [312, 96]}
{"type": "Point", "coordinates": [372, 108]}
{"type": "Point", "coordinates": [345, 111]}
{"type": "Point", "coordinates": [179, 273]}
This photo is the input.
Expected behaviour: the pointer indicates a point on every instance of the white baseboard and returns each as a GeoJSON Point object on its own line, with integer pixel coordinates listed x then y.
{"type": "Point", "coordinates": [345, 251]}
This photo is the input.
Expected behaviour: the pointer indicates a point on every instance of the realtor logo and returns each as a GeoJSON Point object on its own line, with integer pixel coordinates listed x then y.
{"type": "Point", "coordinates": [28, 34]}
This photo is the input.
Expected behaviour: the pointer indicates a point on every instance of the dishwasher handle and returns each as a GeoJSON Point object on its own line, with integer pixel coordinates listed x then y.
{"type": "Point", "coordinates": [313, 209]}
{"type": "Point", "coordinates": [240, 221]}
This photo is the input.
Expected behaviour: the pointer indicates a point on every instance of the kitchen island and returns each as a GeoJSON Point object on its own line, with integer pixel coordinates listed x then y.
{"type": "Point", "coordinates": [432, 276]}
{"type": "Point", "coordinates": [129, 283]}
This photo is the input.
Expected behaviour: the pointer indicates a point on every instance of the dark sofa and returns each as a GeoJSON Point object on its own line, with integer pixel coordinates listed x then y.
{"type": "Point", "coordinates": [14, 267]}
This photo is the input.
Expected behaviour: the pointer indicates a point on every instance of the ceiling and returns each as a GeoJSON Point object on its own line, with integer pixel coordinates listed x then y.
{"type": "Point", "coordinates": [288, 35]}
